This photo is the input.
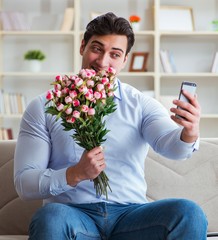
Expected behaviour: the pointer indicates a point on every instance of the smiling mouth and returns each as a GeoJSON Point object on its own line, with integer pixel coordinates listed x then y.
{"type": "Point", "coordinates": [96, 69]}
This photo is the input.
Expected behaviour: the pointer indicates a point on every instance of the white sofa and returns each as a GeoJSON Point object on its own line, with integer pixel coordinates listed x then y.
{"type": "Point", "coordinates": [195, 179]}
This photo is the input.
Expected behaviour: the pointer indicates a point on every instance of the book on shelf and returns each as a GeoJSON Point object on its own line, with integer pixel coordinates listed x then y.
{"type": "Point", "coordinates": [2, 106]}
{"type": "Point", "coordinates": [6, 134]}
{"type": "Point", "coordinates": [167, 61]}
{"type": "Point", "coordinates": [214, 68]}
{"type": "Point", "coordinates": [13, 21]}
{"type": "Point", "coordinates": [68, 18]}
{"type": "Point", "coordinates": [12, 103]}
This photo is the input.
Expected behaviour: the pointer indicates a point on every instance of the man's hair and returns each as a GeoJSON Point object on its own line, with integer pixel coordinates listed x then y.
{"type": "Point", "coordinates": [107, 24]}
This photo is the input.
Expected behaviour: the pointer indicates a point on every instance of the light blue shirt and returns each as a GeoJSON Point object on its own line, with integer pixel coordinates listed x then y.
{"type": "Point", "coordinates": [44, 151]}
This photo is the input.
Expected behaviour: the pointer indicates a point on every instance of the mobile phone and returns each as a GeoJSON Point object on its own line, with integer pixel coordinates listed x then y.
{"type": "Point", "coordinates": [188, 86]}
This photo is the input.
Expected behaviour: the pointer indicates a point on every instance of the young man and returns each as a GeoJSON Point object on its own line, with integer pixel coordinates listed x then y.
{"type": "Point", "coordinates": [49, 165]}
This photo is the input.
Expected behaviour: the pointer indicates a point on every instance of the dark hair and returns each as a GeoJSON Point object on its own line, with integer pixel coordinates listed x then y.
{"type": "Point", "coordinates": [107, 24]}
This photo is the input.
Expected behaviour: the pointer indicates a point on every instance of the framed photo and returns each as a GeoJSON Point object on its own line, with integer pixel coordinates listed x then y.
{"type": "Point", "coordinates": [138, 62]}
{"type": "Point", "coordinates": [176, 18]}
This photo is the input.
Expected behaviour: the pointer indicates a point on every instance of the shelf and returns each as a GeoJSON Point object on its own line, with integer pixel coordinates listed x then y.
{"type": "Point", "coordinates": [42, 74]}
{"type": "Point", "coordinates": [30, 33]}
{"type": "Point", "coordinates": [33, 74]}
{"type": "Point", "coordinates": [192, 51]}
{"type": "Point", "coordinates": [194, 75]}
{"type": "Point", "coordinates": [189, 34]}
{"type": "Point", "coordinates": [137, 33]}
{"type": "Point", "coordinates": [137, 74]}
{"type": "Point", "coordinates": [11, 116]}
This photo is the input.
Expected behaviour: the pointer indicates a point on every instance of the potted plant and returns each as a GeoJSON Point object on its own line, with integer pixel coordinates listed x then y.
{"type": "Point", "coordinates": [215, 25]}
{"type": "Point", "coordinates": [34, 58]}
{"type": "Point", "coordinates": [135, 22]}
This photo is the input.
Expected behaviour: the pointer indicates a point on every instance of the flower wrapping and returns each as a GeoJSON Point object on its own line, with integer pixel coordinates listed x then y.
{"type": "Point", "coordinates": [82, 101]}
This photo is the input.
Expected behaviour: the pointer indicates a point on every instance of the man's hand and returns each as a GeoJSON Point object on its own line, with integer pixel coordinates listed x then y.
{"type": "Point", "coordinates": [190, 114]}
{"type": "Point", "coordinates": [91, 164]}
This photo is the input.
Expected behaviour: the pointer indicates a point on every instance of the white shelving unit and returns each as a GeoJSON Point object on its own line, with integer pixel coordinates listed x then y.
{"type": "Point", "coordinates": [193, 51]}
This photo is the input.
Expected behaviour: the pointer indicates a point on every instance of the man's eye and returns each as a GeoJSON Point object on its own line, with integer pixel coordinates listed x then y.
{"type": "Point", "coordinates": [115, 55]}
{"type": "Point", "coordinates": [96, 49]}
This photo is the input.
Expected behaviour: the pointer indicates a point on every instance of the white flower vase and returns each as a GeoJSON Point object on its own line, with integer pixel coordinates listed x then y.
{"type": "Point", "coordinates": [135, 26]}
{"type": "Point", "coordinates": [34, 65]}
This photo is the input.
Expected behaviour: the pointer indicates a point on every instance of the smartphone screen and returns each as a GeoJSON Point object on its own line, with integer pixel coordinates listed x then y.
{"type": "Point", "coordinates": [188, 86]}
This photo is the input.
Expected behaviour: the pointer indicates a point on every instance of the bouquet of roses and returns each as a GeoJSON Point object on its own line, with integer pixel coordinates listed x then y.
{"type": "Point", "coordinates": [82, 101]}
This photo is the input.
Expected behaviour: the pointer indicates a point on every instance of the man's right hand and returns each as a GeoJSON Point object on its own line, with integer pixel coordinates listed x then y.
{"type": "Point", "coordinates": [91, 164]}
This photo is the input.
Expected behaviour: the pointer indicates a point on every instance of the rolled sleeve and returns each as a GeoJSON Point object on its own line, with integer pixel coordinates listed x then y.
{"type": "Point", "coordinates": [58, 183]}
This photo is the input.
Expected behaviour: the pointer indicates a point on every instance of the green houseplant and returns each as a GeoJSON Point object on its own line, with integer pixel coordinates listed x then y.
{"type": "Point", "coordinates": [34, 55]}
{"type": "Point", "coordinates": [34, 58]}
{"type": "Point", "coordinates": [215, 25]}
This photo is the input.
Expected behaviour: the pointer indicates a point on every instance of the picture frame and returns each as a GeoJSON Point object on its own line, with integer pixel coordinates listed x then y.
{"type": "Point", "coordinates": [138, 62]}
{"type": "Point", "coordinates": [176, 18]}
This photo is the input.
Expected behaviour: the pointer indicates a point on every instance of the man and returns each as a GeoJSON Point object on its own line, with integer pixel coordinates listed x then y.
{"type": "Point", "coordinates": [49, 165]}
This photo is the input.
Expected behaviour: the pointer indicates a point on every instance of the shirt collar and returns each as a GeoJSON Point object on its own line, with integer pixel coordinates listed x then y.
{"type": "Point", "coordinates": [117, 92]}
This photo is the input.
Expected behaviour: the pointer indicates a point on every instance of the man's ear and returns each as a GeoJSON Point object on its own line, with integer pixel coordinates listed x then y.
{"type": "Point", "coordinates": [82, 47]}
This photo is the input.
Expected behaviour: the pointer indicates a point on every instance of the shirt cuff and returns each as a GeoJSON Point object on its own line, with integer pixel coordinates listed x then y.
{"type": "Point", "coordinates": [58, 182]}
{"type": "Point", "coordinates": [193, 145]}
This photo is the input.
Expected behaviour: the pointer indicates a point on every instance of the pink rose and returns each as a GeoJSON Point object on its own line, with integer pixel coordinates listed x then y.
{"type": "Point", "coordinates": [97, 95]}
{"type": "Point", "coordinates": [76, 103]}
{"type": "Point", "coordinates": [65, 90]}
{"type": "Point", "coordinates": [90, 83]}
{"type": "Point", "coordinates": [57, 86]}
{"type": "Point", "coordinates": [87, 73]}
{"type": "Point", "coordinates": [89, 95]}
{"type": "Point", "coordinates": [100, 87]}
{"type": "Point", "coordinates": [73, 94]}
{"type": "Point", "coordinates": [110, 94]}
{"type": "Point", "coordinates": [49, 95]}
{"type": "Point", "coordinates": [60, 107]}
{"type": "Point", "coordinates": [76, 114]}
{"type": "Point", "coordinates": [103, 94]}
{"type": "Point", "coordinates": [83, 89]}
{"type": "Point", "coordinates": [68, 99]}
{"type": "Point", "coordinates": [105, 80]}
{"type": "Point", "coordinates": [70, 119]}
{"type": "Point", "coordinates": [111, 70]}
{"type": "Point", "coordinates": [72, 86]}
{"type": "Point", "coordinates": [57, 93]}
{"type": "Point", "coordinates": [110, 86]}
{"type": "Point", "coordinates": [69, 111]}
{"type": "Point", "coordinates": [78, 82]}
{"type": "Point", "coordinates": [91, 111]}
{"type": "Point", "coordinates": [58, 78]}
{"type": "Point", "coordinates": [84, 108]}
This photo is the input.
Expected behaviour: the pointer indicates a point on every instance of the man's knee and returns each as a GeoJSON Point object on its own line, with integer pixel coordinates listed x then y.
{"type": "Point", "coordinates": [191, 216]}
{"type": "Point", "coordinates": [49, 213]}
{"type": "Point", "coordinates": [60, 221]}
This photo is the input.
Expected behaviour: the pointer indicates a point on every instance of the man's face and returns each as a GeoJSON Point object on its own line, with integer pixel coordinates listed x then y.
{"type": "Point", "coordinates": [105, 51]}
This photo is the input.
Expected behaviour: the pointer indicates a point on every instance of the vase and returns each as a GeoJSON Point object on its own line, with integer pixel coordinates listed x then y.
{"type": "Point", "coordinates": [135, 26]}
{"type": "Point", "coordinates": [33, 65]}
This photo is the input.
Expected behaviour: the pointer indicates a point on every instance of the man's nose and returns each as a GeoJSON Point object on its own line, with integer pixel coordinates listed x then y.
{"type": "Point", "coordinates": [103, 60]}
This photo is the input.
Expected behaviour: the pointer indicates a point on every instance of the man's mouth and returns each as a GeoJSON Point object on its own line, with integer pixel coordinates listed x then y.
{"type": "Point", "coordinates": [94, 68]}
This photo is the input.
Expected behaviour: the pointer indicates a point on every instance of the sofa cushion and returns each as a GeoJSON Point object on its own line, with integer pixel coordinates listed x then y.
{"type": "Point", "coordinates": [15, 214]}
{"type": "Point", "coordinates": [13, 237]}
{"type": "Point", "coordinates": [195, 179]}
